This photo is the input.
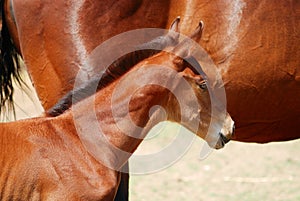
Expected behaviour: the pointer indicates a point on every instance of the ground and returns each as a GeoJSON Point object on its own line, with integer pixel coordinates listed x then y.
{"type": "Point", "coordinates": [240, 171]}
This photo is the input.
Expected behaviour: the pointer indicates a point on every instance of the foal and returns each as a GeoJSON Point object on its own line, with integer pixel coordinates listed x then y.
{"type": "Point", "coordinates": [76, 155]}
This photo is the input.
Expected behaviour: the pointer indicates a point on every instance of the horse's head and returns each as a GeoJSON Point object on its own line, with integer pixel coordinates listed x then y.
{"type": "Point", "coordinates": [202, 113]}
{"type": "Point", "coordinates": [192, 102]}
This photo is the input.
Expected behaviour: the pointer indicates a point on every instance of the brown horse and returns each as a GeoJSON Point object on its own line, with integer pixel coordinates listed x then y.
{"type": "Point", "coordinates": [58, 158]}
{"type": "Point", "coordinates": [254, 44]}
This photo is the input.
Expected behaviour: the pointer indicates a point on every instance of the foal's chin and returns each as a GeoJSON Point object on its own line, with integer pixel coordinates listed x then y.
{"type": "Point", "coordinates": [224, 136]}
{"type": "Point", "coordinates": [220, 143]}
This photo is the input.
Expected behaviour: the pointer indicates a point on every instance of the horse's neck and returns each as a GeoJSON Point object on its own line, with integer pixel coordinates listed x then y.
{"type": "Point", "coordinates": [120, 117]}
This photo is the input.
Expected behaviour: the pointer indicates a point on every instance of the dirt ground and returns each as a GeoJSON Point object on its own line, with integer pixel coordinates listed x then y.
{"type": "Point", "coordinates": [240, 171]}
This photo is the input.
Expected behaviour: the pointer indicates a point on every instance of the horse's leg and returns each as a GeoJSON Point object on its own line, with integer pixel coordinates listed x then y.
{"type": "Point", "coordinates": [122, 193]}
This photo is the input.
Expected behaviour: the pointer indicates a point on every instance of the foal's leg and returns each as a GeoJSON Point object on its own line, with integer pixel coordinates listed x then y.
{"type": "Point", "coordinates": [122, 193]}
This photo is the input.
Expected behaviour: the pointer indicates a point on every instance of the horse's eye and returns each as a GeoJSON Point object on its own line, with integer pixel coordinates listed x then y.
{"type": "Point", "coordinates": [202, 85]}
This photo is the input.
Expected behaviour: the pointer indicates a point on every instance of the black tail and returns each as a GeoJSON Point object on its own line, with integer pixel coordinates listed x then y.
{"type": "Point", "coordinates": [9, 66]}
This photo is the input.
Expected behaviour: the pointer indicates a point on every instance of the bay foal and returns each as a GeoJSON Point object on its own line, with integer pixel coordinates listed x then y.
{"type": "Point", "coordinates": [47, 158]}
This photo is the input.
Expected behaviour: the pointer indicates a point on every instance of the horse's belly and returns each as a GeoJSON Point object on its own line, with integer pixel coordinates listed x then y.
{"type": "Point", "coordinates": [255, 44]}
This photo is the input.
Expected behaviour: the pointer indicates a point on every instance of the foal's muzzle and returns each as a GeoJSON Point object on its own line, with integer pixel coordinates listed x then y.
{"type": "Point", "coordinates": [223, 139]}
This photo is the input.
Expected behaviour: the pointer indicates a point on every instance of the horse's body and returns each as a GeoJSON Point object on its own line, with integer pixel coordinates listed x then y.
{"type": "Point", "coordinates": [49, 159]}
{"type": "Point", "coordinates": [254, 43]}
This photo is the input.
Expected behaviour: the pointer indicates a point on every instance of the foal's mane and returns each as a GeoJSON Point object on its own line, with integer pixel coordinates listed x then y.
{"type": "Point", "coordinates": [113, 72]}
{"type": "Point", "coordinates": [9, 65]}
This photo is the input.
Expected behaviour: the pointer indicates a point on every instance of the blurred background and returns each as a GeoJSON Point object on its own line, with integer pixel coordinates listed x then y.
{"type": "Point", "coordinates": [240, 171]}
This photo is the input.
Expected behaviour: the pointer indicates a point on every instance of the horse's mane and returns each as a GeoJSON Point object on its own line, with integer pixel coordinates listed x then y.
{"type": "Point", "coordinates": [114, 71]}
{"type": "Point", "coordinates": [9, 65]}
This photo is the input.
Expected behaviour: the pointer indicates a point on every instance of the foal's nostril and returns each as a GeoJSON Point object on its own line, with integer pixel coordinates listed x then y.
{"type": "Point", "coordinates": [233, 130]}
{"type": "Point", "coordinates": [224, 139]}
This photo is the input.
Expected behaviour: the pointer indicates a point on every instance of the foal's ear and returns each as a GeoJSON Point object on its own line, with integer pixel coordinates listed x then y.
{"type": "Point", "coordinates": [162, 42]}
{"type": "Point", "coordinates": [172, 37]}
{"type": "Point", "coordinates": [173, 33]}
{"type": "Point", "coordinates": [175, 25]}
{"type": "Point", "coordinates": [186, 47]}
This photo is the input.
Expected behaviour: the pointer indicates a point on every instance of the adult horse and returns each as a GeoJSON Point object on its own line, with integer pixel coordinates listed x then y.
{"type": "Point", "coordinates": [67, 158]}
{"type": "Point", "coordinates": [255, 44]}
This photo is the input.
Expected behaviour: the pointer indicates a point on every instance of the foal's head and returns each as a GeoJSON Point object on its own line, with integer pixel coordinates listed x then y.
{"type": "Point", "coordinates": [190, 96]}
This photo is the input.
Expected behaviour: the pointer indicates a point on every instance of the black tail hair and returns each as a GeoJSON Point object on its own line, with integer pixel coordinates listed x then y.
{"type": "Point", "coordinates": [9, 66]}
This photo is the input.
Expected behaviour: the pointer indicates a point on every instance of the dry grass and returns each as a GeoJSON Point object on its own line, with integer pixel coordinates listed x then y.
{"type": "Point", "coordinates": [240, 171]}
{"type": "Point", "coordinates": [26, 101]}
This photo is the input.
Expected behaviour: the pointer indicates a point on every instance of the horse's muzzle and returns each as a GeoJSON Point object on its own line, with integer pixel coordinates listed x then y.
{"type": "Point", "coordinates": [224, 139]}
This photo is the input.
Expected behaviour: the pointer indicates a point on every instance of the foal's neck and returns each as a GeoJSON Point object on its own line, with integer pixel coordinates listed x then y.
{"type": "Point", "coordinates": [121, 116]}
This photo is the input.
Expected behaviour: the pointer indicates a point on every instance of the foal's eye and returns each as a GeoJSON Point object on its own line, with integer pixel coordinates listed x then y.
{"type": "Point", "coordinates": [202, 85]}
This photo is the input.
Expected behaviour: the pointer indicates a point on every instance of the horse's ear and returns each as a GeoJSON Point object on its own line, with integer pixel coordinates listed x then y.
{"type": "Point", "coordinates": [168, 40]}
{"type": "Point", "coordinates": [173, 35]}
{"type": "Point", "coordinates": [175, 24]}
{"type": "Point", "coordinates": [186, 47]}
